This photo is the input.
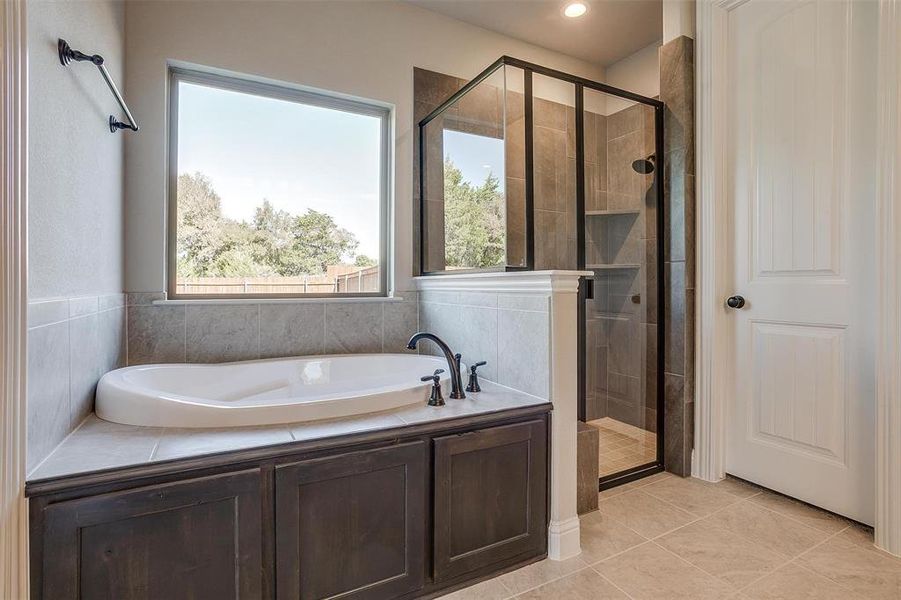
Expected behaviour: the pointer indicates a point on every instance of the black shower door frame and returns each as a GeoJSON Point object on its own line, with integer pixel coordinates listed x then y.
{"type": "Point", "coordinates": [586, 285]}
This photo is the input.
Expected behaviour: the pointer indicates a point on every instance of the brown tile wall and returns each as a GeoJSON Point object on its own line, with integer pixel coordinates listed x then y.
{"type": "Point", "coordinates": [677, 92]}
{"type": "Point", "coordinates": [621, 337]}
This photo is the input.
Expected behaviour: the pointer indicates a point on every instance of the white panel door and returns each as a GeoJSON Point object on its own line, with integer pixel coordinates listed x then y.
{"type": "Point", "coordinates": [800, 161]}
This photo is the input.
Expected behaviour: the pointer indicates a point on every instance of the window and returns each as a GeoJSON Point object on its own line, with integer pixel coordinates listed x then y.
{"type": "Point", "coordinates": [274, 191]}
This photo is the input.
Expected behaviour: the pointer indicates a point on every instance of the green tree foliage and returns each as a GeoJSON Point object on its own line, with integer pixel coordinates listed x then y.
{"type": "Point", "coordinates": [275, 242]}
{"type": "Point", "coordinates": [474, 221]}
{"type": "Point", "coordinates": [365, 261]}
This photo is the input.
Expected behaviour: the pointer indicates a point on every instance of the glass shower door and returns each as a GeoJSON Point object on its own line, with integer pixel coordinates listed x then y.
{"type": "Point", "coordinates": [621, 250]}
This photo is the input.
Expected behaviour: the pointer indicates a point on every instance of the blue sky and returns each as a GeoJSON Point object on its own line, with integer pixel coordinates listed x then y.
{"type": "Point", "coordinates": [476, 156]}
{"type": "Point", "coordinates": [299, 156]}
{"type": "Point", "coordinates": [294, 155]}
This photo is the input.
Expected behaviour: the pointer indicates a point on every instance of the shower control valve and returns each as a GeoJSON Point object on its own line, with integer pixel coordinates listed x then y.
{"type": "Point", "coordinates": [435, 397]}
{"type": "Point", "coordinates": [473, 385]}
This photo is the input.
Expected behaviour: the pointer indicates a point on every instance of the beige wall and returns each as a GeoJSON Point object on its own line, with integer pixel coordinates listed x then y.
{"type": "Point", "coordinates": [76, 320]}
{"type": "Point", "coordinates": [364, 49]}
{"type": "Point", "coordinates": [638, 72]}
{"type": "Point", "coordinates": [75, 168]}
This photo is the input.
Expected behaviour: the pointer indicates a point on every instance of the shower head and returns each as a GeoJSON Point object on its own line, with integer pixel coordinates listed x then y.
{"type": "Point", "coordinates": [644, 165]}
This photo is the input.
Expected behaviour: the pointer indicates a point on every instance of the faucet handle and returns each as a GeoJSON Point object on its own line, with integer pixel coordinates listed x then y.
{"type": "Point", "coordinates": [434, 377]}
{"type": "Point", "coordinates": [435, 397]}
{"type": "Point", "coordinates": [473, 385]}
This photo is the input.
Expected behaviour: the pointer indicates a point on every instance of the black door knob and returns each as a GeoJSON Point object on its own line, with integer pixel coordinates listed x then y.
{"type": "Point", "coordinates": [735, 302]}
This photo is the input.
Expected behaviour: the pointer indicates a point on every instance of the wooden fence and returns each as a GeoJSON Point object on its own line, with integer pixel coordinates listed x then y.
{"type": "Point", "coordinates": [360, 280]}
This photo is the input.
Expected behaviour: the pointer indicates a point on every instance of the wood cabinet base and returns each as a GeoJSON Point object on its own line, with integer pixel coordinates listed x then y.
{"type": "Point", "coordinates": [413, 514]}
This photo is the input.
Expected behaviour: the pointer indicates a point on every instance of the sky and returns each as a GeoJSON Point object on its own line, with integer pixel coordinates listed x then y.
{"type": "Point", "coordinates": [476, 156]}
{"type": "Point", "coordinates": [296, 156]}
{"type": "Point", "coordinates": [299, 156]}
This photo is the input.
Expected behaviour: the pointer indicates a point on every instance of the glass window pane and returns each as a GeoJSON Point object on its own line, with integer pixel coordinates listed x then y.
{"type": "Point", "coordinates": [264, 203]}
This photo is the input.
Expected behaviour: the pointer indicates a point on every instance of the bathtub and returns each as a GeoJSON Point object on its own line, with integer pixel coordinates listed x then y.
{"type": "Point", "coordinates": [265, 392]}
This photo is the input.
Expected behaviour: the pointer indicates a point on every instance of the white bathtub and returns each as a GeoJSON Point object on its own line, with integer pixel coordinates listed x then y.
{"type": "Point", "coordinates": [264, 392]}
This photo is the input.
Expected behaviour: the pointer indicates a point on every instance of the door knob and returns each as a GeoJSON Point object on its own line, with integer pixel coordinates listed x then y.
{"type": "Point", "coordinates": [735, 302]}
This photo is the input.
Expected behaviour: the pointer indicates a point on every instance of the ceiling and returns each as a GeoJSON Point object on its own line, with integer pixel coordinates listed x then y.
{"type": "Point", "coordinates": [610, 31]}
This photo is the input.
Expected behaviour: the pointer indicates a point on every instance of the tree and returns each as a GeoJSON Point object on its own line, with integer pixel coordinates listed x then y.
{"type": "Point", "coordinates": [365, 261]}
{"type": "Point", "coordinates": [474, 221]}
{"type": "Point", "coordinates": [275, 242]}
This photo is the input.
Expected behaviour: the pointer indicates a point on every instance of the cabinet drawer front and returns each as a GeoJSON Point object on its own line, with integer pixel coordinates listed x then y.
{"type": "Point", "coordinates": [490, 497]}
{"type": "Point", "coordinates": [200, 538]}
{"type": "Point", "coordinates": [353, 525]}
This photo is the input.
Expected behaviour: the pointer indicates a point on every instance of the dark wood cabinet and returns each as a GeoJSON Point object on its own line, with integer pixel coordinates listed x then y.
{"type": "Point", "coordinates": [352, 525]}
{"type": "Point", "coordinates": [490, 497]}
{"type": "Point", "coordinates": [405, 513]}
{"type": "Point", "coordinates": [193, 539]}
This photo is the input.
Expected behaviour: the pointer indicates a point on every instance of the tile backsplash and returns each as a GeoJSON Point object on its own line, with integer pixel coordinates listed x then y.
{"type": "Point", "coordinates": [72, 342]}
{"type": "Point", "coordinates": [210, 333]}
{"type": "Point", "coordinates": [509, 331]}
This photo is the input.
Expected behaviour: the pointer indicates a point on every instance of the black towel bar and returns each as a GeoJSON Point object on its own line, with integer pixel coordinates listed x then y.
{"type": "Point", "coordinates": [67, 54]}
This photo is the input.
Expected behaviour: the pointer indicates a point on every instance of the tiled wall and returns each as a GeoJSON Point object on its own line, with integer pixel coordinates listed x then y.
{"type": "Point", "coordinates": [677, 91]}
{"type": "Point", "coordinates": [72, 342]}
{"type": "Point", "coordinates": [509, 331]}
{"type": "Point", "coordinates": [209, 333]}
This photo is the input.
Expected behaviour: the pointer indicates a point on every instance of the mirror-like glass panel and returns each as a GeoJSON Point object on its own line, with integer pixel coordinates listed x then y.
{"type": "Point", "coordinates": [466, 163]}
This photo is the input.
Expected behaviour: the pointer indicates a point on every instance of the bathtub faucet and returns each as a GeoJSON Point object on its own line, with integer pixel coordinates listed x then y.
{"type": "Point", "coordinates": [453, 362]}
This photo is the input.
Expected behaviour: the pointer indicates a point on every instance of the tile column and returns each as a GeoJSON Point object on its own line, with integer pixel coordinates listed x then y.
{"type": "Point", "coordinates": [677, 92]}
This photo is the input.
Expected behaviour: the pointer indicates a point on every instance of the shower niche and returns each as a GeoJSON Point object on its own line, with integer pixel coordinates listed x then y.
{"type": "Point", "coordinates": [529, 168]}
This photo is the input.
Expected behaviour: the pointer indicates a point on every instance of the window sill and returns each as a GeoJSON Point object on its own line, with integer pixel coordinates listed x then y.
{"type": "Point", "coordinates": [349, 300]}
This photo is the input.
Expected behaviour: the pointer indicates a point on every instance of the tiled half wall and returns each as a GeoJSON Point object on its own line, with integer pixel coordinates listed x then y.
{"type": "Point", "coordinates": [509, 331]}
{"type": "Point", "coordinates": [72, 342]}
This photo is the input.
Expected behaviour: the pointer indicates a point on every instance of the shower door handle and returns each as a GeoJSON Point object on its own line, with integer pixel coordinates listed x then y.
{"type": "Point", "coordinates": [735, 302]}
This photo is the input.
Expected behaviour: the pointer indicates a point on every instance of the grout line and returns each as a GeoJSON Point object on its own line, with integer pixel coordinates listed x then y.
{"type": "Point", "coordinates": [732, 586]}
{"type": "Point", "coordinates": [625, 593]}
{"type": "Point", "coordinates": [794, 559]}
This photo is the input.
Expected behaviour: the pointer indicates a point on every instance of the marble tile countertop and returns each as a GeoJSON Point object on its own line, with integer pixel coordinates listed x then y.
{"type": "Point", "coordinates": [99, 445]}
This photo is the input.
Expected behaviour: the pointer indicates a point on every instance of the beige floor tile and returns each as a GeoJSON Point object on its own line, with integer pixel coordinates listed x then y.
{"type": "Point", "coordinates": [859, 534]}
{"type": "Point", "coordinates": [650, 572]}
{"type": "Point", "coordinates": [767, 528]}
{"type": "Point", "coordinates": [643, 513]}
{"type": "Point", "coordinates": [583, 585]}
{"type": "Point", "coordinates": [720, 552]}
{"type": "Point", "coordinates": [697, 497]}
{"type": "Point", "coordinates": [490, 589]}
{"type": "Point", "coordinates": [539, 573]}
{"type": "Point", "coordinates": [810, 516]}
{"type": "Point", "coordinates": [602, 537]}
{"type": "Point", "coordinates": [739, 488]}
{"type": "Point", "coordinates": [793, 582]}
{"type": "Point", "coordinates": [872, 574]}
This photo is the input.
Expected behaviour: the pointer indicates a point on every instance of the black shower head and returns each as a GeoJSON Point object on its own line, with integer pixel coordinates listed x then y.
{"type": "Point", "coordinates": [644, 165]}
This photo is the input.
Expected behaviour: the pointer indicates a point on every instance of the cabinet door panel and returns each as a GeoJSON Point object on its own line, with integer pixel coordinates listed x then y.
{"type": "Point", "coordinates": [352, 526]}
{"type": "Point", "coordinates": [200, 538]}
{"type": "Point", "coordinates": [490, 497]}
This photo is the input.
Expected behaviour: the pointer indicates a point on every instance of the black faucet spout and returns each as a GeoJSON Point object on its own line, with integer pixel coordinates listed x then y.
{"type": "Point", "coordinates": [453, 366]}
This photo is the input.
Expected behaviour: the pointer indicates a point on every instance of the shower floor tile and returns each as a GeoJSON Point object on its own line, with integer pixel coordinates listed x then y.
{"type": "Point", "coordinates": [622, 446]}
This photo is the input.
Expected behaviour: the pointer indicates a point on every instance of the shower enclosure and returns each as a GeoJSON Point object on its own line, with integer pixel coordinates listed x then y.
{"type": "Point", "coordinates": [529, 168]}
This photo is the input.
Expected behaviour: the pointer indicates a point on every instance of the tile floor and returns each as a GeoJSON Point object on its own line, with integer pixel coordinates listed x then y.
{"type": "Point", "coordinates": [667, 538]}
{"type": "Point", "coordinates": [622, 446]}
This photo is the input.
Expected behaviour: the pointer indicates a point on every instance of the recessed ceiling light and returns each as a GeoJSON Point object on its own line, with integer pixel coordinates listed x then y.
{"type": "Point", "coordinates": [575, 9]}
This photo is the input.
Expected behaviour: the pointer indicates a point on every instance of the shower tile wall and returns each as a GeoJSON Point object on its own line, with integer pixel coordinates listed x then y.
{"type": "Point", "coordinates": [554, 155]}
{"type": "Point", "coordinates": [621, 249]}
